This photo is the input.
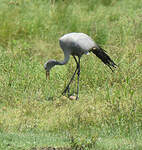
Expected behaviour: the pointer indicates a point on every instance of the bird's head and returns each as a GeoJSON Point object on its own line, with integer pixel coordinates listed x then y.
{"type": "Point", "coordinates": [48, 65]}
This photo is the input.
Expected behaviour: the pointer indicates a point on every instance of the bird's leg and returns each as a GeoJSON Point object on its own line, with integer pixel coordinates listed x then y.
{"type": "Point", "coordinates": [68, 91]}
{"type": "Point", "coordinates": [78, 73]}
{"type": "Point", "coordinates": [67, 87]}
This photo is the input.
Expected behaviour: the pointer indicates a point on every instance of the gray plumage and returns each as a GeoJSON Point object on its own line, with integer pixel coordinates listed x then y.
{"type": "Point", "coordinates": [77, 44]}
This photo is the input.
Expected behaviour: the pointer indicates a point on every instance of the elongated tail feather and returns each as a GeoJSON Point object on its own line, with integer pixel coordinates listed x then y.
{"type": "Point", "coordinates": [101, 53]}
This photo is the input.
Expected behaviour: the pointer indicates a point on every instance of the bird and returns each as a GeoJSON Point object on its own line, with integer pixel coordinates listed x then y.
{"type": "Point", "coordinates": [78, 44]}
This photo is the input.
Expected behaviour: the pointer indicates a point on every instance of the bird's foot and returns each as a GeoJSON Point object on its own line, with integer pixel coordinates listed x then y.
{"type": "Point", "coordinates": [70, 95]}
{"type": "Point", "coordinates": [77, 97]}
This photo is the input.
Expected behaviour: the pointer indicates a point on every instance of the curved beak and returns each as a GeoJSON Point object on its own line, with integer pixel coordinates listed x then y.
{"type": "Point", "coordinates": [47, 74]}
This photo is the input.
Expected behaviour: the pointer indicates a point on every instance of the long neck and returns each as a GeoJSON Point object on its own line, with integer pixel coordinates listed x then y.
{"type": "Point", "coordinates": [65, 61]}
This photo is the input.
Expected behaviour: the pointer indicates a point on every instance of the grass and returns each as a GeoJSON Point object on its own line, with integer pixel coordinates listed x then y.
{"type": "Point", "coordinates": [31, 140]}
{"type": "Point", "coordinates": [33, 111]}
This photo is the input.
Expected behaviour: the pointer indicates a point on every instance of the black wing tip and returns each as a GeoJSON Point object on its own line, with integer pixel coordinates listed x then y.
{"type": "Point", "coordinates": [111, 64]}
{"type": "Point", "coordinates": [102, 54]}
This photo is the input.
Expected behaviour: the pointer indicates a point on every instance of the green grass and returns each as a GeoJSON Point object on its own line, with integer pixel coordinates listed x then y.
{"type": "Point", "coordinates": [108, 114]}
{"type": "Point", "coordinates": [31, 140]}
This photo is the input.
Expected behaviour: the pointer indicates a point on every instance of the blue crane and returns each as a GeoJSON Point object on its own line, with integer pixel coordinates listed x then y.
{"type": "Point", "coordinates": [77, 44]}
